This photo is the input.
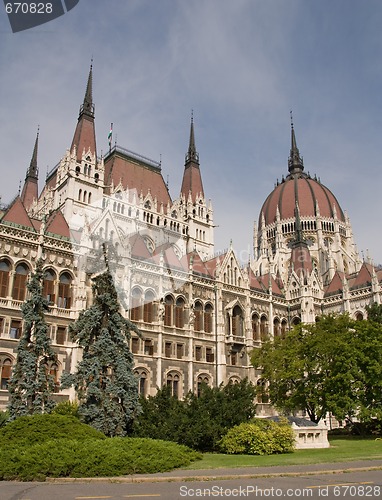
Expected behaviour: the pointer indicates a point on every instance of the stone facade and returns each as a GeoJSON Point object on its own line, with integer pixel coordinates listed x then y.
{"type": "Point", "coordinates": [200, 313]}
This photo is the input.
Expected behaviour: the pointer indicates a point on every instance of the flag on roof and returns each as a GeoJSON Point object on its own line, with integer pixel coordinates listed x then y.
{"type": "Point", "coordinates": [110, 135]}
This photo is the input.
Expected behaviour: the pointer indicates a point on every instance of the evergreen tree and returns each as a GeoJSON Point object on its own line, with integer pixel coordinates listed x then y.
{"type": "Point", "coordinates": [106, 386]}
{"type": "Point", "coordinates": [31, 386]}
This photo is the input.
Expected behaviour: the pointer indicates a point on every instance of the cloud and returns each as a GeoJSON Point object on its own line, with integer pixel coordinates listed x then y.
{"type": "Point", "coordinates": [240, 65]}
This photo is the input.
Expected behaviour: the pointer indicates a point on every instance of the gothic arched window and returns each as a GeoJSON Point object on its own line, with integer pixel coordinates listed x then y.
{"type": "Point", "coordinates": [202, 380]}
{"type": "Point", "coordinates": [198, 311]}
{"type": "Point", "coordinates": [173, 381]}
{"type": "Point", "coordinates": [48, 285]}
{"type": "Point", "coordinates": [148, 307]}
{"type": "Point", "coordinates": [263, 328]}
{"type": "Point", "coordinates": [4, 277]}
{"type": "Point", "coordinates": [20, 282]}
{"type": "Point", "coordinates": [142, 377]}
{"type": "Point", "coordinates": [179, 312]}
{"type": "Point", "coordinates": [255, 327]}
{"type": "Point", "coordinates": [136, 300]}
{"type": "Point", "coordinates": [168, 310]}
{"type": "Point", "coordinates": [5, 371]}
{"type": "Point", "coordinates": [208, 318]}
{"type": "Point", "coordinates": [64, 291]}
{"type": "Point", "coordinates": [237, 321]}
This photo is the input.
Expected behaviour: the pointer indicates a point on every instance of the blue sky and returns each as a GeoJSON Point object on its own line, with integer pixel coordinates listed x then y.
{"type": "Point", "coordinates": [241, 65]}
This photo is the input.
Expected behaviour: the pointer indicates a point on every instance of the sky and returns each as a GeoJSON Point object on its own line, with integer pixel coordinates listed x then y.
{"type": "Point", "coordinates": [241, 66]}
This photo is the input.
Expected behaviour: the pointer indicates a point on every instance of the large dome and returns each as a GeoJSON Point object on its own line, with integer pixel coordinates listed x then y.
{"type": "Point", "coordinates": [299, 189]}
{"type": "Point", "coordinates": [307, 193]}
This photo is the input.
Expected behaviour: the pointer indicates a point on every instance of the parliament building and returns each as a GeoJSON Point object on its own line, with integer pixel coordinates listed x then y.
{"type": "Point", "coordinates": [200, 313]}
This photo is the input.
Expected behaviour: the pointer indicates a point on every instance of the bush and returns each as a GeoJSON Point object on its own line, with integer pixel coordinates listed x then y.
{"type": "Point", "coordinates": [92, 458]}
{"type": "Point", "coordinates": [372, 427]}
{"type": "Point", "coordinates": [4, 417]}
{"type": "Point", "coordinates": [198, 421]}
{"type": "Point", "coordinates": [259, 437]}
{"type": "Point", "coordinates": [66, 408]}
{"type": "Point", "coordinates": [34, 429]}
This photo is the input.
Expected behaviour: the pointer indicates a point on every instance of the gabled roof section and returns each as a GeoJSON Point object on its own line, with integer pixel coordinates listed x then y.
{"type": "Point", "coordinates": [17, 215]}
{"type": "Point", "coordinates": [139, 249]}
{"type": "Point", "coordinates": [364, 276]}
{"type": "Point", "coordinates": [268, 282]}
{"type": "Point", "coordinates": [134, 172]}
{"type": "Point", "coordinates": [336, 285]}
{"type": "Point", "coordinates": [57, 225]}
{"type": "Point", "coordinates": [170, 259]}
{"type": "Point", "coordinates": [198, 266]}
{"type": "Point", "coordinates": [213, 263]}
{"type": "Point", "coordinates": [254, 283]}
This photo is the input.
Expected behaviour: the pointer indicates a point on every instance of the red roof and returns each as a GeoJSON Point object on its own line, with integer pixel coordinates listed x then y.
{"type": "Point", "coordinates": [139, 248]}
{"type": "Point", "coordinates": [198, 266]}
{"type": "Point", "coordinates": [56, 224]}
{"type": "Point", "coordinates": [192, 182]}
{"type": "Point", "coordinates": [29, 192]}
{"type": "Point", "coordinates": [364, 276]}
{"type": "Point", "coordinates": [84, 136]}
{"type": "Point", "coordinates": [305, 191]}
{"type": "Point", "coordinates": [336, 285]}
{"type": "Point", "coordinates": [136, 175]}
{"type": "Point", "coordinates": [17, 214]}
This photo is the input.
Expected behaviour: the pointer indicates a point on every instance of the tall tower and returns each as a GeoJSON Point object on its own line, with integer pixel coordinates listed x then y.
{"type": "Point", "coordinates": [78, 180]}
{"type": "Point", "coordinates": [197, 213]}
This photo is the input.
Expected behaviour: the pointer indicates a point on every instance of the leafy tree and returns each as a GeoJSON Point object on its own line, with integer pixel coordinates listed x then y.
{"type": "Point", "coordinates": [367, 339]}
{"type": "Point", "coordinates": [31, 386]}
{"type": "Point", "coordinates": [106, 386]}
{"type": "Point", "coordinates": [374, 313]}
{"type": "Point", "coordinates": [313, 368]}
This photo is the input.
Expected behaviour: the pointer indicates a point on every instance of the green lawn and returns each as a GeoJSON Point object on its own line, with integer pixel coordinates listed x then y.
{"type": "Point", "coordinates": [342, 449]}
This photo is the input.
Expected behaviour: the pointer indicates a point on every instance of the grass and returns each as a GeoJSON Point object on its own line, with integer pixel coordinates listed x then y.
{"type": "Point", "coordinates": [342, 449]}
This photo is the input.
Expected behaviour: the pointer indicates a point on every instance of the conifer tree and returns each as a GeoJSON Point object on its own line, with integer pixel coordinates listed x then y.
{"type": "Point", "coordinates": [31, 386]}
{"type": "Point", "coordinates": [106, 386]}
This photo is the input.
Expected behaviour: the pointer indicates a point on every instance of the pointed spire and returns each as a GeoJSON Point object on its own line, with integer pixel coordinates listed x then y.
{"type": "Point", "coordinates": [295, 162]}
{"type": "Point", "coordinates": [30, 188]}
{"type": "Point", "coordinates": [192, 154]}
{"type": "Point", "coordinates": [192, 184]}
{"type": "Point", "coordinates": [33, 170]}
{"type": "Point", "coordinates": [88, 106]}
{"type": "Point", "coordinates": [84, 135]}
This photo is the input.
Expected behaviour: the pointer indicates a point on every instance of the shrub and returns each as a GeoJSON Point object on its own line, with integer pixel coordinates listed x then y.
{"type": "Point", "coordinates": [198, 421]}
{"type": "Point", "coordinates": [4, 417]}
{"type": "Point", "coordinates": [259, 437]}
{"type": "Point", "coordinates": [66, 408]}
{"type": "Point", "coordinates": [92, 458]}
{"type": "Point", "coordinates": [26, 431]}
